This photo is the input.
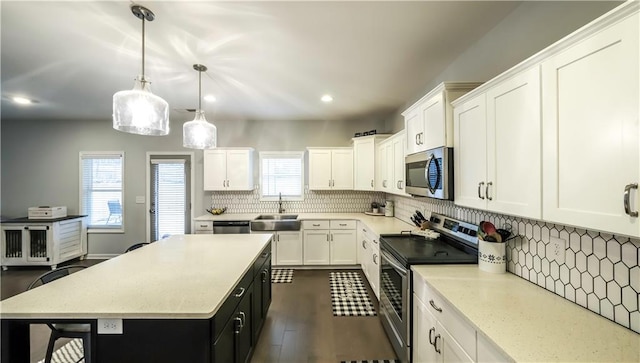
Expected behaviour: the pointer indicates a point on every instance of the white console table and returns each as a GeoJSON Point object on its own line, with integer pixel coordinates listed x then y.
{"type": "Point", "coordinates": [42, 242]}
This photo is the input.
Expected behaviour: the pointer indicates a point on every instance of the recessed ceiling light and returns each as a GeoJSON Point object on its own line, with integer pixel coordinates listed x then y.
{"type": "Point", "coordinates": [327, 98]}
{"type": "Point", "coordinates": [22, 100]}
{"type": "Point", "coordinates": [210, 98]}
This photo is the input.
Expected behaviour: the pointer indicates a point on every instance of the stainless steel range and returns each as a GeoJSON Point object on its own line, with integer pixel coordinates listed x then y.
{"type": "Point", "coordinates": [456, 244]}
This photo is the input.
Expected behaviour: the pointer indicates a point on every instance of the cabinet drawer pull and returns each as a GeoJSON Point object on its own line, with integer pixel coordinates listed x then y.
{"type": "Point", "coordinates": [435, 344]}
{"type": "Point", "coordinates": [627, 207]}
{"type": "Point", "coordinates": [486, 190]}
{"type": "Point", "coordinates": [479, 188]}
{"type": "Point", "coordinates": [239, 294]}
{"type": "Point", "coordinates": [431, 331]}
{"type": "Point", "coordinates": [375, 241]}
{"type": "Point", "coordinates": [433, 305]}
{"type": "Point", "coordinates": [342, 224]}
{"type": "Point", "coordinates": [316, 225]}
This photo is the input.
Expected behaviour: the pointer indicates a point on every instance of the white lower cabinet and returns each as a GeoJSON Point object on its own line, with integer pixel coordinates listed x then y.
{"type": "Point", "coordinates": [288, 248]}
{"type": "Point", "coordinates": [440, 333]}
{"type": "Point", "coordinates": [329, 242]}
{"type": "Point", "coordinates": [369, 257]}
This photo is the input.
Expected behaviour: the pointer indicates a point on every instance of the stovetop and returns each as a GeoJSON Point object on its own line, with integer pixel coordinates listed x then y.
{"type": "Point", "coordinates": [457, 244]}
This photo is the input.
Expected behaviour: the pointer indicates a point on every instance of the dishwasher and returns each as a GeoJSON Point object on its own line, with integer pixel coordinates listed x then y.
{"type": "Point", "coordinates": [231, 227]}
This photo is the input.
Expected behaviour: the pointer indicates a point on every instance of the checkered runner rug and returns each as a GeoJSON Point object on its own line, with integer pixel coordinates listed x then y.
{"type": "Point", "coordinates": [280, 275]}
{"type": "Point", "coordinates": [71, 352]}
{"type": "Point", "coordinates": [349, 296]}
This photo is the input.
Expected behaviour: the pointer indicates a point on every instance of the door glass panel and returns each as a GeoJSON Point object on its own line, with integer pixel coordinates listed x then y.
{"type": "Point", "coordinates": [169, 198]}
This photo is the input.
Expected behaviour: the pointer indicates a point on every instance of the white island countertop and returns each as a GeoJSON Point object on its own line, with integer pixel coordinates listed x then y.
{"type": "Point", "coordinates": [378, 224]}
{"type": "Point", "coordinates": [529, 323]}
{"type": "Point", "coordinates": [181, 277]}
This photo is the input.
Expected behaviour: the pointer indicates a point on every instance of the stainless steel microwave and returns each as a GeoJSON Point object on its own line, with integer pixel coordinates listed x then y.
{"type": "Point", "coordinates": [430, 173]}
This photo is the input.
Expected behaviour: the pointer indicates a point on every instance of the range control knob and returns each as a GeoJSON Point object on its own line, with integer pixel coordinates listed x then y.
{"type": "Point", "coordinates": [435, 219]}
{"type": "Point", "coordinates": [472, 233]}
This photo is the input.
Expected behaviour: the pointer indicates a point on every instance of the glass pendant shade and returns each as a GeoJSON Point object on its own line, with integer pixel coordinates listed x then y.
{"type": "Point", "coordinates": [199, 134]}
{"type": "Point", "coordinates": [138, 111]}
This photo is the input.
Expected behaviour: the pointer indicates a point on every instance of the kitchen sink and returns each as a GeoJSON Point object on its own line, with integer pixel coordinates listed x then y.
{"type": "Point", "coordinates": [276, 222]}
{"type": "Point", "coordinates": [276, 217]}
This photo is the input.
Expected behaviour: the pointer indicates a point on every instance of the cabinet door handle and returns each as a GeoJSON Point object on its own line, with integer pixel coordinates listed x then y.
{"type": "Point", "coordinates": [329, 183]}
{"type": "Point", "coordinates": [364, 244]}
{"type": "Point", "coordinates": [372, 183]}
{"type": "Point", "coordinates": [431, 331]}
{"type": "Point", "coordinates": [417, 139]}
{"type": "Point", "coordinates": [374, 241]}
{"type": "Point", "coordinates": [239, 326]}
{"type": "Point", "coordinates": [331, 237]}
{"type": "Point", "coordinates": [327, 238]}
{"type": "Point", "coordinates": [486, 190]}
{"type": "Point", "coordinates": [627, 192]}
{"type": "Point", "coordinates": [433, 305]}
{"type": "Point", "coordinates": [264, 275]}
{"type": "Point", "coordinates": [244, 318]}
{"type": "Point", "coordinates": [479, 188]}
{"type": "Point", "coordinates": [239, 294]}
{"type": "Point", "coordinates": [435, 344]}
{"type": "Point", "coordinates": [375, 258]}
{"type": "Point", "coordinates": [422, 138]}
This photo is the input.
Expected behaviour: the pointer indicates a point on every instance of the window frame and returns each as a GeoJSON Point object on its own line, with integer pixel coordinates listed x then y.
{"type": "Point", "coordinates": [279, 155]}
{"type": "Point", "coordinates": [96, 155]}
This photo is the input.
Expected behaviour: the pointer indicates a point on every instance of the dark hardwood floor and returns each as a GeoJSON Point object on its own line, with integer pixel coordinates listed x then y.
{"type": "Point", "coordinates": [300, 326]}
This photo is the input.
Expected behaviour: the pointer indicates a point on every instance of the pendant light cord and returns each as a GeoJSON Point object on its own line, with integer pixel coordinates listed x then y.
{"type": "Point", "coordinates": [143, 79]}
{"type": "Point", "coordinates": [199, 90]}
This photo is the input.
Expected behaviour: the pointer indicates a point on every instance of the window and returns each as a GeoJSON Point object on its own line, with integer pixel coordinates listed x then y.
{"type": "Point", "coordinates": [102, 190]}
{"type": "Point", "coordinates": [281, 172]}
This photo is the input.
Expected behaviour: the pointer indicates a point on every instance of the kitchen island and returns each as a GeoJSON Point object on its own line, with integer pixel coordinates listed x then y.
{"type": "Point", "coordinates": [191, 298]}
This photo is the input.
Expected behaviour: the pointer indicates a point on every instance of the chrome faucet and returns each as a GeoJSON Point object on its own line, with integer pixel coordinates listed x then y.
{"type": "Point", "coordinates": [280, 209]}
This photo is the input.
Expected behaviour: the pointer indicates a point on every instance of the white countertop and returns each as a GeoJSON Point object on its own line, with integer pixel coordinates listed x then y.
{"type": "Point", "coordinates": [378, 224]}
{"type": "Point", "coordinates": [183, 276]}
{"type": "Point", "coordinates": [527, 322]}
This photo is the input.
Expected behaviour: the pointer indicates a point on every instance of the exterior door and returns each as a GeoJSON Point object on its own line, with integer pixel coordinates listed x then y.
{"type": "Point", "coordinates": [169, 195]}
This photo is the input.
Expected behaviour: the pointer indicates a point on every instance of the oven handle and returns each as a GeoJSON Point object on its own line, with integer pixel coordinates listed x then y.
{"type": "Point", "coordinates": [392, 261]}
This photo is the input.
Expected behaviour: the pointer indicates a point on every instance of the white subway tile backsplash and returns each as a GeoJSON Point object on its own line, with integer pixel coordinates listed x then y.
{"type": "Point", "coordinates": [600, 271]}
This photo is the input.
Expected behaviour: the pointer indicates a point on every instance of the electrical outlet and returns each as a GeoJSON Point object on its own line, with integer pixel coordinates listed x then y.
{"type": "Point", "coordinates": [109, 326]}
{"type": "Point", "coordinates": [556, 249]}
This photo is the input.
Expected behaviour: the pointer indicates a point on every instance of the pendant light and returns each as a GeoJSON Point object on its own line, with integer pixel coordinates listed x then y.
{"type": "Point", "coordinates": [199, 134]}
{"type": "Point", "coordinates": [138, 111]}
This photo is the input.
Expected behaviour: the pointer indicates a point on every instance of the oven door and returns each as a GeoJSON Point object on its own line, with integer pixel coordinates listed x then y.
{"type": "Point", "coordinates": [394, 303]}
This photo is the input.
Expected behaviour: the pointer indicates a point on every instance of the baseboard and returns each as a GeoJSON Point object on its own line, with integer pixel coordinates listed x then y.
{"type": "Point", "coordinates": [101, 256]}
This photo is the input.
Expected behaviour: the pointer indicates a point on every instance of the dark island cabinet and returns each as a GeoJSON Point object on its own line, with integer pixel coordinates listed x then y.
{"type": "Point", "coordinates": [237, 324]}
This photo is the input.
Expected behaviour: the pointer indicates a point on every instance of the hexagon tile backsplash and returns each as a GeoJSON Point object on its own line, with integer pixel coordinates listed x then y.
{"type": "Point", "coordinates": [600, 272]}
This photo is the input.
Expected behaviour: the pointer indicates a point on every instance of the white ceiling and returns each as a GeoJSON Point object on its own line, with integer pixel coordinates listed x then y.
{"type": "Point", "coordinates": [266, 60]}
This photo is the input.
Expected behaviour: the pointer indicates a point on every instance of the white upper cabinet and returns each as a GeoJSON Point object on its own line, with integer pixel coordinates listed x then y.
{"type": "Point", "coordinates": [591, 105]}
{"type": "Point", "coordinates": [556, 137]}
{"type": "Point", "coordinates": [390, 165]}
{"type": "Point", "coordinates": [364, 161]}
{"type": "Point", "coordinates": [497, 147]}
{"type": "Point", "coordinates": [429, 121]}
{"type": "Point", "coordinates": [330, 169]}
{"type": "Point", "coordinates": [470, 152]}
{"type": "Point", "coordinates": [228, 169]}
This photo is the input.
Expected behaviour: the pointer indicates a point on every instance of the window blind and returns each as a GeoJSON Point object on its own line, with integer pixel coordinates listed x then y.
{"type": "Point", "coordinates": [281, 173]}
{"type": "Point", "coordinates": [101, 189]}
{"type": "Point", "coordinates": [168, 181]}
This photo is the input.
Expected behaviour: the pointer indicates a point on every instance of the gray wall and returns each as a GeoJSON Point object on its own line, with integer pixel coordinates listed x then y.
{"type": "Point", "coordinates": [531, 27]}
{"type": "Point", "coordinates": [40, 162]}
